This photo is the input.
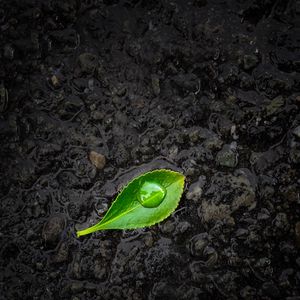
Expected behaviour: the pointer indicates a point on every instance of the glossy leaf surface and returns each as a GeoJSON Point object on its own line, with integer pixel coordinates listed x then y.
{"type": "Point", "coordinates": [146, 200]}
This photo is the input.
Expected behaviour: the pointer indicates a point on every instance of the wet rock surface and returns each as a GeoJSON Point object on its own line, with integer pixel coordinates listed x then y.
{"type": "Point", "coordinates": [53, 229]}
{"type": "Point", "coordinates": [97, 159]}
{"type": "Point", "coordinates": [207, 88]}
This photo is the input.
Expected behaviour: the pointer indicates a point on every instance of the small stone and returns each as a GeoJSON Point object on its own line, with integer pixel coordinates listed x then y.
{"type": "Point", "coordinates": [30, 235]}
{"type": "Point", "coordinates": [122, 155]}
{"type": "Point", "coordinates": [97, 115]}
{"type": "Point", "coordinates": [250, 62]}
{"type": "Point", "coordinates": [248, 292]}
{"type": "Point", "coordinates": [290, 193]}
{"type": "Point", "coordinates": [76, 287]}
{"type": "Point", "coordinates": [87, 63]}
{"type": "Point", "coordinates": [121, 91]}
{"type": "Point", "coordinates": [148, 240]}
{"type": "Point", "coordinates": [194, 135]}
{"type": "Point", "coordinates": [97, 159]}
{"type": "Point", "coordinates": [262, 216]}
{"type": "Point", "coordinates": [246, 196]}
{"type": "Point", "coordinates": [55, 82]}
{"type": "Point", "coordinates": [281, 222]}
{"type": "Point", "coordinates": [173, 152]}
{"type": "Point", "coordinates": [155, 85]}
{"type": "Point", "coordinates": [225, 126]}
{"type": "Point", "coordinates": [231, 99]}
{"type": "Point", "coordinates": [39, 266]}
{"type": "Point", "coordinates": [198, 243]}
{"type": "Point", "coordinates": [296, 132]}
{"type": "Point", "coordinates": [210, 212]}
{"type": "Point", "coordinates": [72, 105]}
{"type": "Point", "coordinates": [213, 143]}
{"type": "Point", "coordinates": [241, 233]}
{"type": "Point", "coordinates": [254, 157]}
{"type": "Point", "coordinates": [53, 275]}
{"type": "Point", "coordinates": [167, 227]}
{"type": "Point", "coordinates": [227, 157]}
{"type": "Point", "coordinates": [295, 155]}
{"type": "Point", "coordinates": [195, 191]}
{"type": "Point", "coordinates": [53, 229]}
{"type": "Point", "coordinates": [233, 132]}
{"type": "Point", "coordinates": [274, 106]}
{"type": "Point", "coordinates": [183, 227]}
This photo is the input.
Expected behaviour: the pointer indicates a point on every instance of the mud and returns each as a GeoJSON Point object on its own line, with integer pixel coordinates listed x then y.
{"type": "Point", "coordinates": [207, 88]}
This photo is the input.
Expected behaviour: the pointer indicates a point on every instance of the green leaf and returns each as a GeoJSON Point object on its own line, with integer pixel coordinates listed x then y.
{"type": "Point", "coordinates": [146, 200]}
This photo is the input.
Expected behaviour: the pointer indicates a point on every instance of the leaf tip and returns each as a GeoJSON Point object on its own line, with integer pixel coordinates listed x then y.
{"type": "Point", "coordinates": [79, 233]}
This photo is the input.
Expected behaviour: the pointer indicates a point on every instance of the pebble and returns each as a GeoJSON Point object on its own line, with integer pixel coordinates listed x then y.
{"type": "Point", "coordinates": [121, 155]}
{"type": "Point", "coordinates": [53, 229]}
{"type": "Point", "coordinates": [194, 135]}
{"type": "Point", "coordinates": [76, 287]}
{"type": "Point", "coordinates": [210, 212]}
{"type": "Point", "coordinates": [295, 155]}
{"type": "Point", "coordinates": [274, 106]}
{"type": "Point", "coordinates": [87, 63]}
{"type": "Point", "coordinates": [155, 85]}
{"type": "Point", "coordinates": [30, 235]}
{"type": "Point", "coordinates": [262, 216]}
{"type": "Point", "coordinates": [167, 227]}
{"type": "Point", "coordinates": [182, 227]}
{"type": "Point", "coordinates": [55, 82]}
{"type": "Point", "coordinates": [97, 159]}
{"type": "Point", "coordinates": [227, 157]}
{"type": "Point", "coordinates": [281, 221]}
{"type": "Point", "coordinates": [198, 243]}
{"type": "Point", "coordinates": [248, 292]}
{"type": "Point", "coordinates": [195, 190]}
{"type": "Point", "coordinates": [148, 239]}
{"type": "Point", "coordinates": [213, 143]}
{"type": "Point", "coordinates": [296, 132]}
{"type": "Point", "coordinates": [97, 115]}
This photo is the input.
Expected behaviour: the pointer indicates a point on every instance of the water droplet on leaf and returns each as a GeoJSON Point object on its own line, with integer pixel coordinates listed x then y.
{"type": "Point", "coordinates": [151, 194]}
{"type": "Point", "coordinates": [149, 190]}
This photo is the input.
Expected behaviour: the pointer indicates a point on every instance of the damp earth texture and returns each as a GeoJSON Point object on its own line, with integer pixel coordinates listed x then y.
{"type": "Point", "coordinates": [94, 93]}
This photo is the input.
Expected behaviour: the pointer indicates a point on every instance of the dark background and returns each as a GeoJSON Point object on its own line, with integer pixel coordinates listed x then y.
{"type": "Point", "coordinates": [209, 88]}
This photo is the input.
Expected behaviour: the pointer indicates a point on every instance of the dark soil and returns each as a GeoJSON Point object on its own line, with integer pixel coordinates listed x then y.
{"type": "Point", "coordinates": [209, 88]}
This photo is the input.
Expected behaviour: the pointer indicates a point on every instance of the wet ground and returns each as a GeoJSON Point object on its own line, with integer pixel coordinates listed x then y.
{"type": "Point", "coordinates": [209, 88]}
